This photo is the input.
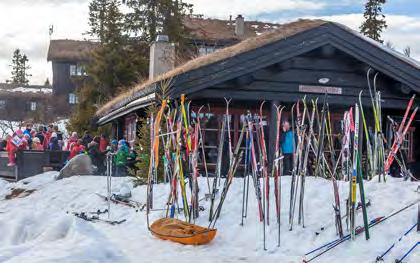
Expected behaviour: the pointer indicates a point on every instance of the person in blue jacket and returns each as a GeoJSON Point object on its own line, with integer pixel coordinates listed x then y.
{"type": "Point", "coordinates": [287, 147]}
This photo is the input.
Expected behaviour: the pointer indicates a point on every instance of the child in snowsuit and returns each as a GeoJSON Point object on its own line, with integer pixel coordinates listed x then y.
{"type": "Point", "coordinates": [36, 144]}
{"type": "Point", "coordinates": [121, 158]}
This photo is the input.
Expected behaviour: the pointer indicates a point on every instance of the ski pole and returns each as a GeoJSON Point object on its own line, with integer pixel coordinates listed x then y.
{"type": "Point", "coordinates": [408, 252]}
{"type": "Point", "coordinates": [358, 230]}
{"type": "Point", "coordinates": [381, 257]}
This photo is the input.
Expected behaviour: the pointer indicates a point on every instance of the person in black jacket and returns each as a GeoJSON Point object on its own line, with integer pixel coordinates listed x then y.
{"type": "Point", "coordinates": [87, 138]}
{"type": "Point", "coordinates": [54, 143]}
{"type": "Point", "coordinates": [96, 155]}
{"type": "Point", "coordinates": [40, 134]}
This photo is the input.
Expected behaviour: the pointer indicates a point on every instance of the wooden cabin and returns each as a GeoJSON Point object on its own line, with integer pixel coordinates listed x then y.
{"type": "Point", "coordinates": [303, 58]}
{"type": "Point", "coordinates": [25, 102]}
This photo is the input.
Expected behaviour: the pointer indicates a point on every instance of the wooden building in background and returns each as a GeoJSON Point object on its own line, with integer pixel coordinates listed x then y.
{"type": "Point", "coordinates": [26, 103]}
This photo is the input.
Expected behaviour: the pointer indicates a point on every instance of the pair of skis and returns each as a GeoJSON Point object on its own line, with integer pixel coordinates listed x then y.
{"type": "Point", "coordinates": [400, 135]}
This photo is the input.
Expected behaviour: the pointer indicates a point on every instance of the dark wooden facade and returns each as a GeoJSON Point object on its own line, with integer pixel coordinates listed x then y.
{"type": "Point", "coordinates": [23, 106]}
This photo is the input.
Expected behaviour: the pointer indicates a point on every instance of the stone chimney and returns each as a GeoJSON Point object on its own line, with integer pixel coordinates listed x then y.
{"type": "Point", "coordinates": [162, 56]}
{"type": "Point", "coordinates": [239, 26]}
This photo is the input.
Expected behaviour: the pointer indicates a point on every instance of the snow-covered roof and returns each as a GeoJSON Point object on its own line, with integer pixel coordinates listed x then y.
{"type": "Point", "coordinates": [15, 88]}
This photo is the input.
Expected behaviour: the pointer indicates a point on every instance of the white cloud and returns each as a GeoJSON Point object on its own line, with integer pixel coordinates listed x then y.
{"type": "Point", "coordinates": [222, 9]}
{"type": "Point", "coordinates": [402, 31]}
{"type": "Point", "coordinates": [24, 25]}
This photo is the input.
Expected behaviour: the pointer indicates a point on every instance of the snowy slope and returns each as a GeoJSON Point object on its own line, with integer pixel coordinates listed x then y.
{"type": "Point", "coordinates": [37, 228]}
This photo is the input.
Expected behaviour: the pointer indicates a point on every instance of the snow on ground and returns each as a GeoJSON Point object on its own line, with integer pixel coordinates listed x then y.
{"type": "Point", "coordinates": [37, 228]}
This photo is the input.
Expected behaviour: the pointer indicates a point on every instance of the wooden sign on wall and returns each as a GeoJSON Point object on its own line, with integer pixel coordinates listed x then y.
{"type": "Point", "coordinates": [320, 89]}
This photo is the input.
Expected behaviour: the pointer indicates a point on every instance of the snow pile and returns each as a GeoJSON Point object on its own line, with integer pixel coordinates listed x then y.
{"type": "Point", "coordinates": [36, 228]}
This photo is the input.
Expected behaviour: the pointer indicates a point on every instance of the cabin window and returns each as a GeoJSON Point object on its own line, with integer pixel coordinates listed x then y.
{"type": "Point", "coordinates": [2, 104]}
{"type": "Point", "coordinates": [77, 70]}
{"type": "Point", "coordinates": [73, 99]}
{"type": "Point", "coordinates": [206, 50]}
{"type": "Point", "coordinates": [32, 106]}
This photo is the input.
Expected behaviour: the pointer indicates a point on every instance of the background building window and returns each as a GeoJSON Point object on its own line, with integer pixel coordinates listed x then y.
{"type": "Point", "coordinates": [2, 104]}
{"type": "Point", "coordinates": [77, 70]}
{"type": "Point", "coordinates": [204, 50]}
{"type": "Point", "coordinates": [33, 106]}
{"type": "Point", "coordinates": [73, 99]}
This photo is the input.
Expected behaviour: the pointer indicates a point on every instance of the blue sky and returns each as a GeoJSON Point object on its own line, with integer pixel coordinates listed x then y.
{"type": "Point", "coordinates": [69, 18]}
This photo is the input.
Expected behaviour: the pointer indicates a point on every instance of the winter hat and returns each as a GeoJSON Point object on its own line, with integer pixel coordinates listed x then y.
{"type": "Point", "coordinates": [115, 142]}
{"type": "Point", "coordinates": [122, 142]}
{"type": "Point", "coordinates": [19, 132]}
{"type": "Point", "coordinates": [53, 135]}
{"type": "Point", "coordinates": [36, 140]}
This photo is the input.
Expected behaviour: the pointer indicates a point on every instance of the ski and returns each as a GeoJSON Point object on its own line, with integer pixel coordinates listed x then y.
{"type": "Point", "coordinates": [264, 165]}
{"type": "Point", "coordinates": [95, 218]}
{"type": "Point", "coordinates": [276, 170]}
{"type": "Point", "coordinates": [218, 167]}
{"type": "Point", "coordinates": [127, 202]}
{"type": "Point", "coordinates": [355, 172]}
{"type": "Point", "coordinates": [402, 131]}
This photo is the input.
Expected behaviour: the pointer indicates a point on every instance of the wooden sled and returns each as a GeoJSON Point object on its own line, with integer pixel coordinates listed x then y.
{"type": "Point", "coordinates": [181, 232]}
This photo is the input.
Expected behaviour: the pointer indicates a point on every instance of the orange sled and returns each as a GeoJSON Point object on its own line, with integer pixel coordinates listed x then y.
{"type": "Point", "coordinates": [181, 232]}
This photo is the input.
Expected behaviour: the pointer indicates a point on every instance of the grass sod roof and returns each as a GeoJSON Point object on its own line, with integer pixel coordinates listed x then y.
{"type": "Point", "coordinates": [283, 31]}
{"type": "Point", "coordinates": [70, 50]}
{"type": "Point", "coordinates": [219, 30]}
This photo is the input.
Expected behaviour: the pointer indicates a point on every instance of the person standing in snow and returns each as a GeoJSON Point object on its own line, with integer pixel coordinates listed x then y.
{"type": "Point", "coordinates": [121, 158]}
{"type": "Point", "coordinates": [114, 146]}
{"type": "Point", "coordinates": [11, 149]}
{"type": "Point", "coordinates": [287, 147]}
{"type": "Point", "coordinates": [96, 156]}
{"type": "Point", "coordinates": [54, 144]}
{"type": "Point", "coordinates": [40, 134]}
{"type": "Point", "coordinates": [87, 138]}
{"type": "Point", "coordinates": [59, 136]}
{"type": "Point", "coordinates": [36, 144]}
{"type": "Point", "coordinates": [76, 149]}
{"type": "Point", "coordinates": [28, 133]}
{"type": "Point", "coordinates": [103, 143]}
{"type": "Point", "coordinates": [47, 137]}
{"type": "Point", "coordinates": [72, 140]}
{"type": "Point", "coordinates": [3, 144]}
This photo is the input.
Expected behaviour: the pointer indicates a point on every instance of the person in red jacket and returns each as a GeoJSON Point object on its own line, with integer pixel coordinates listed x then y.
{"type": "Point", "coordinates": [36, 144]}
{"type": "Point", "coordinates": [11, 150]}
{"type": "Point", "coordinates": [47, 136]}
{"type": "Point", "coordinates": [103, 143]}
{"type": "Point", "coordinates": [72, 140]}
{"type": "Point", "coordinates": [14, 143]}
{"type": "Point", "coordinates": [76, 149]}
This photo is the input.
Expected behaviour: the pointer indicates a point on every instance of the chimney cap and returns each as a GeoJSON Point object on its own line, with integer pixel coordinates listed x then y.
{"type": "Point", "coordinates": [162, 38]}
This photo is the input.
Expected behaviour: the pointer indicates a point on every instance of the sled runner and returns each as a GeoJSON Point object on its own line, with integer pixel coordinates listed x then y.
{"type": "Point", "coordinates": [182, 232]}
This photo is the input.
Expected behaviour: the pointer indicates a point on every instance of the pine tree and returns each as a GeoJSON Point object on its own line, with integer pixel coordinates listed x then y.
{"type": "Point", "coordinates": [20, 68]}
{"type": "Point", "coordinates": [115, 65]}
{"type": "Point", "coordinates": [374, 22]}
{"type": "Point", "coordinates": [148, 18]}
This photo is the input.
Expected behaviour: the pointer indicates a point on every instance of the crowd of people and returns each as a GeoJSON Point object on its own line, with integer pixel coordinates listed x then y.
{"type": "Point", "coordinates": [50, 138]}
